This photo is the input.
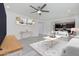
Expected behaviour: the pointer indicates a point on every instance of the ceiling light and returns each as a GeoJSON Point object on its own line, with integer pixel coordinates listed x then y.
{"type": "Point", "coordinates": [39, 12]}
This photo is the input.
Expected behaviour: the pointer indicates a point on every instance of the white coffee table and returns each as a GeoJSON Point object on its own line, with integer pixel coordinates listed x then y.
{"type": "Point", "coordinates": [50, 38]}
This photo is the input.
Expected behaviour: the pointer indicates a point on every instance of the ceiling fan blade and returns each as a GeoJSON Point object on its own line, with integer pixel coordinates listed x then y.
{"type": "Point", "coordinates": [33, 7]}
{"type": "Point", "coordinates": [34, 12]}
{"type": "Point", "coordinates": [43, 6]}
{"type": "Point", "coordinates": [44, 10]}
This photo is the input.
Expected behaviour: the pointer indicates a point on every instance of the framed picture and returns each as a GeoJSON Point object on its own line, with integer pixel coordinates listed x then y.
{"type": "Point", "coordinates": [24, 21]}
{"type": "Point", "coordinates": [19, 20]}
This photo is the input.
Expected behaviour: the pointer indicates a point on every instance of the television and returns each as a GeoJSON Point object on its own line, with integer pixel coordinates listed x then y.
{"type": "Point", "coordinates": [65, 26]}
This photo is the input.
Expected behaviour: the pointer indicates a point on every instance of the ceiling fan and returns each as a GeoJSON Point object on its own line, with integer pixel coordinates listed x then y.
{"type": "Point", "coordinates": [39, 9]}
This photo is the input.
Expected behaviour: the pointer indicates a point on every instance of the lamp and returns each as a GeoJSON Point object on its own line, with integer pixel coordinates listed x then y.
{"type": "Point", "coordinates": [52, 34]}
{"type": "Point", "coordinates": [39, 12]}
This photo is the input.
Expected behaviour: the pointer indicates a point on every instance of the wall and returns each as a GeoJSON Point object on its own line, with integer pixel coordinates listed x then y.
{"type": "Point", "coordinates": [15, 29]}
{"type": "Point", "coordinates": [48, 24]}
{"type": "Point", "coordinates": [77, 22]}
{"type": "Point", "coordinates": [37, 28]}
{"type": "Point", "coordinates": [42, 26]}
{"type": "Point", "coordinates": [68, 19]}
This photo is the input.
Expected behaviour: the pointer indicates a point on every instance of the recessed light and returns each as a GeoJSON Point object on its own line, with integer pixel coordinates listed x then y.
{"type": "Point", "coordinates": [8, 6]}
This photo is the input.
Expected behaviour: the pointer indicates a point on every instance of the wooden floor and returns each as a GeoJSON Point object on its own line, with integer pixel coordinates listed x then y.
{"type": "Point", "coordinates": [10, 44]}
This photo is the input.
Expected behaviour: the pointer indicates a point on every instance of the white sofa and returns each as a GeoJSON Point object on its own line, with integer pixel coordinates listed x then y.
{"type": "Point", "coordinates": [63, 34]}
{"type": "Point", "coordinates": [72, 48]}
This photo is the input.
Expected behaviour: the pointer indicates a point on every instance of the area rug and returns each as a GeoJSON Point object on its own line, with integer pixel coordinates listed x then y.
{"type": "Point", "coordinates": [44, 48]}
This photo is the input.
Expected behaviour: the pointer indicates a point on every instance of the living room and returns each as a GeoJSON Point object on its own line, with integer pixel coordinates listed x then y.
{"type": "Point", "coordinates": [35, 24]}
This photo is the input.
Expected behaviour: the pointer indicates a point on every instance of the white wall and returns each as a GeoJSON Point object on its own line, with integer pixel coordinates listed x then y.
{"type": "Point", "coordinates": [15, 29]}
{"type": "Point", "coordinates": [77, 22]}
{"type": "Point", "coordinates": [68, 19]}
{"type": "Point", "coordinates": [44, 27]}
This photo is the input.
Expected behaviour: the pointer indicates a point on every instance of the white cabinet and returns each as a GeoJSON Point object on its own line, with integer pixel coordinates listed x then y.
{"type": "Point", "coordinates": [25, 34]}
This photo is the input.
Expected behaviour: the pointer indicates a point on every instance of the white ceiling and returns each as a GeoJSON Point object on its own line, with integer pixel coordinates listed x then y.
{"type": "Point", "coordinates": [57, 10]}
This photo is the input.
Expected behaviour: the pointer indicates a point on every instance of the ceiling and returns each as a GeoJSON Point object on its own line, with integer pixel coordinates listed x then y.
{"type": "Point", "coordinates": [57, 10]}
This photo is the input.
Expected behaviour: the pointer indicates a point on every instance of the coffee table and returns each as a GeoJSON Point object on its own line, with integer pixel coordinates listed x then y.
{"type": "Point", "coordinates": [51, 38]}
